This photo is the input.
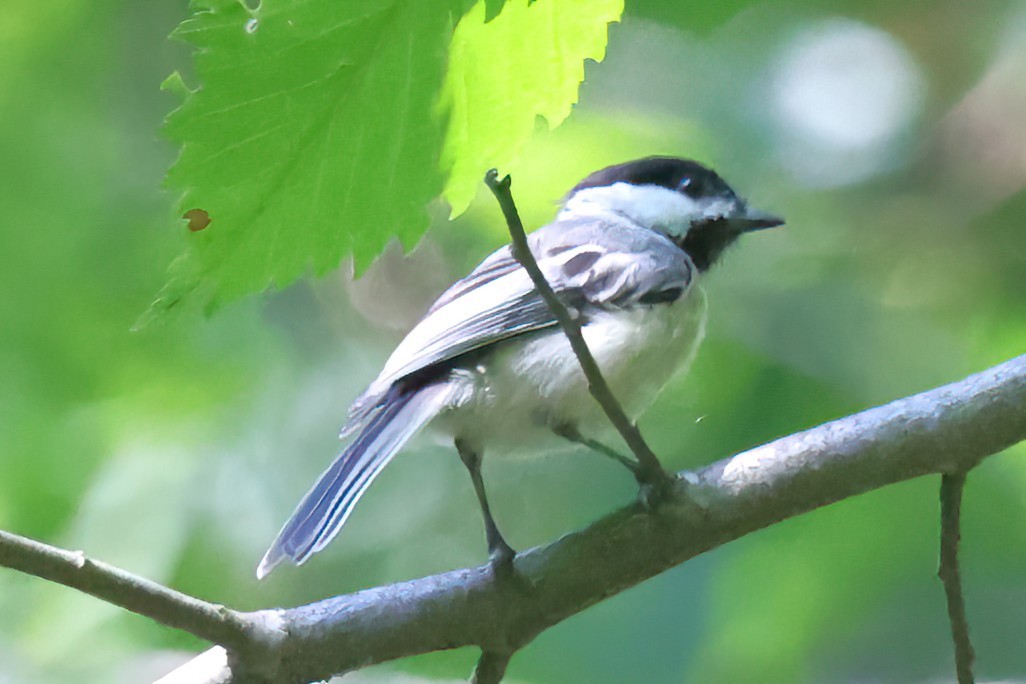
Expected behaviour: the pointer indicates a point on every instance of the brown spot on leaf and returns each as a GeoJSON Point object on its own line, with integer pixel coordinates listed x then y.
{"type": "Point", "coordinates": [198, 219]}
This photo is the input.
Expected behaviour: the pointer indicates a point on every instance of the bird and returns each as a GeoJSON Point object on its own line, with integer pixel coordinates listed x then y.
{"type": "Point", "coordinates": [489, 365]}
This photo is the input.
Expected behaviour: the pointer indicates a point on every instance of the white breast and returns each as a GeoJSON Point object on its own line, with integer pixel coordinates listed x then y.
{"type": "Point", "coordinates": [534, 382]}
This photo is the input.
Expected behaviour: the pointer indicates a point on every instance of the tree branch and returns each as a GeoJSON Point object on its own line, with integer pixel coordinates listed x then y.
{"type": "Point", "coordinates": [72, 569]}
{"type": "Point", "coordinates": [952, 485]}
{"type": "Point", "coordinates": [650, 469]}
{"type": "Point", "coordinates": [946, 430]}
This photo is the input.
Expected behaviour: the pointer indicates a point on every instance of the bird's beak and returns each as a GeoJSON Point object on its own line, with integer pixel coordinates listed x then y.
{"type": "Point", "coordinates": [752, 219]}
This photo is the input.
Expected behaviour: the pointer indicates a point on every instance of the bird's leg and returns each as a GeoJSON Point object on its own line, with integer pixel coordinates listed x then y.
{"type": "Point", "coordinates": [650, 491]}
{"type": "Point", "coordinates": [500, 553]}
{"type": "Point", "coordinates": [570, 432]}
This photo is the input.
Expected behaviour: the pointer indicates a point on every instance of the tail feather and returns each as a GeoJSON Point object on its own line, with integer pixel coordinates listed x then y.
{"type": "Point", "coordinates": [325, 508]}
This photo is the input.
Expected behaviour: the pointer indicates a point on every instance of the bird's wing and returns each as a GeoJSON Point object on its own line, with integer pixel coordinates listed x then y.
{"type": "Point", "coordinates": [499, 263]}
{"type": "Point", "coordinates": [613, 268]}
{"type": "Point", "coordinates": [496, 301]}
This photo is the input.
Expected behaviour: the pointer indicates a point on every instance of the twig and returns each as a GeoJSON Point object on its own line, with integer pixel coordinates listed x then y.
{"type": "Point", "coordinates": [650, 470]}
{"type": "Point", "coordinates": [491, 667]}
{"type": "Point", "coordinates": [952, 485]}
{"type": "Point", "coordinates": [73, 569]}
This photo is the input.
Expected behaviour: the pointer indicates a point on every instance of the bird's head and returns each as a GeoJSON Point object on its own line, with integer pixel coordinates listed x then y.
{"type": "Point", "coordinates": [681, 198]}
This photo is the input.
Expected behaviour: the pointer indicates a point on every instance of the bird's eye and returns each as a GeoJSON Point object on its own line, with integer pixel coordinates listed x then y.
{"type": "Point", "coordinates": [689, 186]}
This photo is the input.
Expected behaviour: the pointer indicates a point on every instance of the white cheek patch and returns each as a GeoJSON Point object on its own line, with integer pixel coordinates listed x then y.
{"type": "Point", "coordinates": [651, 206]}
{"type": "Point", "coordinates": [718, 207]}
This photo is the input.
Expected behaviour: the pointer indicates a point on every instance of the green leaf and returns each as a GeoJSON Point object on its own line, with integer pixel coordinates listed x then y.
{"type": "Point", "coordinates": [323, 129]}
{"type": "Point", "coordinates": [493, 8]}
{"type": "Point", "coordinates": [526, 62]}
{"type": "Point", "coordinates": [314, 135]}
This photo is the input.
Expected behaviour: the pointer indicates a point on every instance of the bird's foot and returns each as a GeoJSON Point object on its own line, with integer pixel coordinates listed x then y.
{"type": "Point", "coordinates": [655, 488]}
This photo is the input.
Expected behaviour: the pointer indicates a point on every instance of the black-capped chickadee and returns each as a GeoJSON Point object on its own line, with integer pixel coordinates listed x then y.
{"type": "Point", "coordinates": [489, 364]}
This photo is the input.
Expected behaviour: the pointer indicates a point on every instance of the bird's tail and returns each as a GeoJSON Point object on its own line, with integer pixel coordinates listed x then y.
{"type": "Point", "coordinates": [324, 509]}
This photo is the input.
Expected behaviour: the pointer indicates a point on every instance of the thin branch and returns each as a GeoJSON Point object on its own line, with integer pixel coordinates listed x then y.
{"type": "Point", "coordinates": [949, 429]}
{"type": "Point", "coordinates": [73, 569]}
{"type": "Point", "coordinates": [651, 470]}
{"type": "Point", "coordinates": [952, 485]}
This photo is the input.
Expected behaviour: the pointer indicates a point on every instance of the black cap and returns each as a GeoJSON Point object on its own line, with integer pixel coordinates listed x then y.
{"type": "Point", "coordinates": [682, 175]}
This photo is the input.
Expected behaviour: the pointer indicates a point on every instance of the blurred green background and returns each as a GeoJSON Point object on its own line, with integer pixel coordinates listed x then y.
{"type": "Point", "coordinates": [891, 135]}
